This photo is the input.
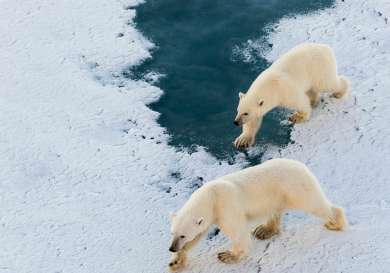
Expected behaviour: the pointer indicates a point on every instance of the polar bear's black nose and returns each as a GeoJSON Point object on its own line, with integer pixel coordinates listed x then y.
{"type": "Point", "coordinates": [175, 245]}
{"type": "Point", "coordinates": [236, 123]}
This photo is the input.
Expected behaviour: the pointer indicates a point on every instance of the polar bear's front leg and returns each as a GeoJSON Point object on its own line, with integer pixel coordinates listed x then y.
{"type": "Point", "coordinates": [236, 229]}
{"type": "Point", "coordinates": [248, 135]}
{"type": "Point", "coordinates": [269, 229]}
{"type": "Point", "coordinates": [240, 248]}
{"type": "Point", "coordinates": [245, 140]}
{"type": "Point", "coordinates": [228, 257]}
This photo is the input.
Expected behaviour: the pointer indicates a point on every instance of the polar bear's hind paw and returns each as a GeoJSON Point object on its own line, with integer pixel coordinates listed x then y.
{"type": "Point", "coordinates": [343, 87]}
{"type": "Point", "coordinates": [338, 221]}
{"type": "Point", "coordinates": [338, 95]}
{"type": "Point", "coordinates": [298, 117]}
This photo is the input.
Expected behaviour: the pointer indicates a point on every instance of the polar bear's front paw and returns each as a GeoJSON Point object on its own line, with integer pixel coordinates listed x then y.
{"type": "Point", "coordinates": [298, 117]}
{"type": "Point", "coordinates": [228, 257]}
{"type": "Point", "coordinates": [263, 232]}
{"type": "Point", "coordinates": [177, 263]}
{"type": "Point", "coordinates": [244, 141]}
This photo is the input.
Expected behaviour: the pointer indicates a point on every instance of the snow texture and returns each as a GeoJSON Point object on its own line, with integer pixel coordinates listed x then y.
{"type": "Point", "coordinates": [87, 179]}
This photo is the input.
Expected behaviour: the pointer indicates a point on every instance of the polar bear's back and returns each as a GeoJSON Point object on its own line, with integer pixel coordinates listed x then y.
{"type": "Point", "coordinates": [272, 183]}
{"type": "Point", "coordinates": [306, 55]}
{"type": "Point", "coordinates": [274, 169]}
{"type": "Point", "coordinates": [312, 63]}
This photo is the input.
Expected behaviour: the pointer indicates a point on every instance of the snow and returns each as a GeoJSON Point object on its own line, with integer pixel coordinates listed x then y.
{"type": "Point", "coordinates": [87, 179]}
{"type": "Point", "coordinates": [84, 165]}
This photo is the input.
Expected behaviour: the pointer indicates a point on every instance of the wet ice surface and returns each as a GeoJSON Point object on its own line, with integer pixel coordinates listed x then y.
{"type": "Point", "coordinates": [88, 180]}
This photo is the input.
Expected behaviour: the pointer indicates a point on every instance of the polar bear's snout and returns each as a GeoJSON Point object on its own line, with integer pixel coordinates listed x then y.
{"type": "Point", "coordinates": [175, 245]}
{"type": "Point", "coordinates": [238, 121]}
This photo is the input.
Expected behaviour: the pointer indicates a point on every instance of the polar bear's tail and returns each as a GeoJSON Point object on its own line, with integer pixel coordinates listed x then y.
{"type": "Point", "coordinates": [338, 221]}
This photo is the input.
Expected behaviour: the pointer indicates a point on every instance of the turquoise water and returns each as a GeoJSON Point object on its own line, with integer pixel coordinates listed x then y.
{"type": "Point", "coordinates": [196, 52]}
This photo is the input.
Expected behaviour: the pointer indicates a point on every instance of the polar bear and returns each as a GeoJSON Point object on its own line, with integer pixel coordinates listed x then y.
{"type": "Point", "coordinates": [263, 191]}
{"type": "Point", "coordinates": [294, 81]}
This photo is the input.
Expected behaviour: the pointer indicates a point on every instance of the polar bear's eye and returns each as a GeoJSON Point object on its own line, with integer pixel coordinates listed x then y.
{"type": "Point", "coordinates": [182, 237]}
{"type": "Point", "coordinates": [245, 114]}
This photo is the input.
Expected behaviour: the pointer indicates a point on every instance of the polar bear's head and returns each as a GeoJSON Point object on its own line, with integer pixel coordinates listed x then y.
{"type": "Point", "coordinates": [194, 218]}
{"type": "Point", "coordinates": [252, 109]}
{"type": "Point", "coordinates": [261, 98]}
{"type": "Point", "coordinates": [184, 229]}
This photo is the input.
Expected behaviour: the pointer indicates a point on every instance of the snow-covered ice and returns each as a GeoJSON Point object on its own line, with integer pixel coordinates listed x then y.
{"type": "Point", "coordinates": [84, 166]}
{"type": "Point", "coordinates": [87, 179]}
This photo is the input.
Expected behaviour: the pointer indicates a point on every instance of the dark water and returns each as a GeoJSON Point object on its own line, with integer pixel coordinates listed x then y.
{"type": "Point", "coordinates": [195, 51]}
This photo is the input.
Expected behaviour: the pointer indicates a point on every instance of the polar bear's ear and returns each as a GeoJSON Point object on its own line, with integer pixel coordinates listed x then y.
{"type": "Point", "coordinates": [260, 102]}
{"type": "Point", "coordinates": [199, 221]}
{"type": "Point", "coordinates": [241, 95]}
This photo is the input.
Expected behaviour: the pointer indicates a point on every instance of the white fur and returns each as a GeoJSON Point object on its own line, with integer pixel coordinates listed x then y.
{"type": "Point", "coordinates": [263, 191]}
{"type": "Point", "coordinates": [294, 81]}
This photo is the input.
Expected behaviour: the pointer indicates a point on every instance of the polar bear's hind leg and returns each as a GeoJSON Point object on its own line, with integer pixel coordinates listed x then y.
{"type": "Point", "coordinates": [341, 87]}
{"type": "Point", "coordinates": [303, 109]}
{"type": "Point", "coordinates": [338, 220]}
{"type": "Point", "coordinates": [333, 217]}
{"type": "Point", "coordinates": [298, 117]}
{"type": "Point", "coordinates": [314, 97]}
